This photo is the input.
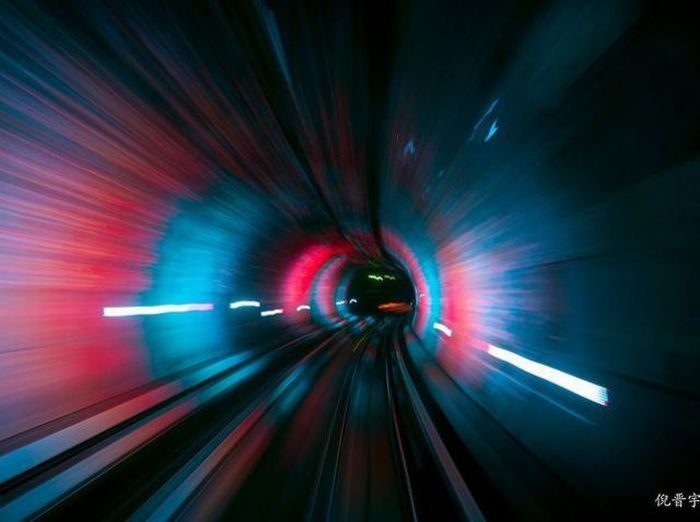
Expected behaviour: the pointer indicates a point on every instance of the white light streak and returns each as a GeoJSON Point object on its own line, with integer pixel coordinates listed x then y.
{"type": "Point", "coordinates": [125, 311]}
{"type": "Point", "coordinates": [268, 313]}
{"type": "Point", "coordinates": [303, 307]}
{"type": "Point", "coordinates": [444, 329]}
{"type": "Point", "coordinates": [585, 389]}
{"type": "Point", "coordinates": [244, 304]}
{"type": "Point", "coordinates": [353, 301]}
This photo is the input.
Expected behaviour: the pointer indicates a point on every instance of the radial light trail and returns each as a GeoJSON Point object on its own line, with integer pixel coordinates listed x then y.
{"type": "Point", "coordinates": [492, 130]}
{"type": "Point", "coordinates": [125, 311]}
{"type": "Point", "coordinates": [268, 313]}
{"type": "Point", "coordinates": [585, 389]}
{"type": "Point", "coordinates": [244, 304]}
{"type": "Point", "coordinates": [444, 329]}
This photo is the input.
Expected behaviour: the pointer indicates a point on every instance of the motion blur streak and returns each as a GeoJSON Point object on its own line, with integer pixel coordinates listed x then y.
{"type": "Point", "coordinates": [244, 304]}
{"type": "Point", "coordinates": [442, 328]}
{"type": "Point", "coordinates": [268, 313]}
{"type": "Point", "coordinates": [585, 389]}
{"type": "Point", "coordinates": [349, 260]}
{"type": "Point", "coordinates": [123, 311]}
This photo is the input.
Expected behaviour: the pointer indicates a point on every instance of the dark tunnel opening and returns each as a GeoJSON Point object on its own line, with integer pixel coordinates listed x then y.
{"type": "Point", "coordinates": [344, 260]}
{"type": "Point", "coordinates": [379, 290]}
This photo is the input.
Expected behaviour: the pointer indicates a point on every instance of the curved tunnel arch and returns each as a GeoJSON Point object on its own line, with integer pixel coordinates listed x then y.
{"type": "Point", "coordinates": [185, 194]}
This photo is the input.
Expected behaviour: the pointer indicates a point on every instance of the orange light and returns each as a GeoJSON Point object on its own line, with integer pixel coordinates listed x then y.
{"type": "Point", "coordinates": [397, 308]}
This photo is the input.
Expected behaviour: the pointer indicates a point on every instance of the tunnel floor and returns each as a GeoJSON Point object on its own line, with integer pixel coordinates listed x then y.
{"type": "Point", "coordinates": [324, 434]}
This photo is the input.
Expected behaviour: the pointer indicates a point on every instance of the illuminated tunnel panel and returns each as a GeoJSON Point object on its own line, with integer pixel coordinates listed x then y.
{"type": "Point", "coordinates": [414, 260]}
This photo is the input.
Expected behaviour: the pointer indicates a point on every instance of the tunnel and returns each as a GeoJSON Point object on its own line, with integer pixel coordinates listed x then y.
{"type": "Point", "coordinates": [377, 290]}
{"type": "Point", "coordinates": [349, 260]}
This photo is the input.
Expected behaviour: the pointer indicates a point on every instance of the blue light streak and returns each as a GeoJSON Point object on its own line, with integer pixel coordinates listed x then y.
{"type": "Point", "coordinates": [492, 130]}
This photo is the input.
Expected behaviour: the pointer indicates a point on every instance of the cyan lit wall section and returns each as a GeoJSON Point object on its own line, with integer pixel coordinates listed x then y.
{"type": "Point", "coordinates": [188, 194]}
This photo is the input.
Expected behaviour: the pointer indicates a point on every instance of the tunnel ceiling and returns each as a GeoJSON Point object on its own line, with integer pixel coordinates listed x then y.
{"type": "Point", "coordinates": [349, 260]}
